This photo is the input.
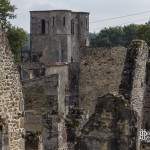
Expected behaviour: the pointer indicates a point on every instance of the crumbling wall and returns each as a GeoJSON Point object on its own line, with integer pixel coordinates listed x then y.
{"type": "Point", "coordinates": [146, 109]}
{"type": "Point", "coordinates": [46, 109]}
{"type": "Point", "coordinates": [100, 73]}
{"type": "Point", "coordinates": [111, 127]}
{"type": "Point", "coordinates": [114, 71]}
{"type": "Point", "coordinates": [62, 71]}
{"type": "Point", "coordinates": [134, 76]}
{"type": "Point", "coordinates": [11, 99]}
{"type": "Point", "coordinates": [41, 110]}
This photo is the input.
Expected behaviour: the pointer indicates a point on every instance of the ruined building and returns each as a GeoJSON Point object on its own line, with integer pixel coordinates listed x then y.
{"type": "Point", "coordinates": [11, 101]}
{"type": "Point", "coordinates": [50, 75]}
{"type": "Point", "coordinates": [57, 35]}
{"type": "Point", "coordinates": [75, 97]}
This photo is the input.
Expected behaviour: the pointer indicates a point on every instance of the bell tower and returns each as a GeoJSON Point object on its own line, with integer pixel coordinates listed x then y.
{"type": "Point", "coordinates": [57, 35]}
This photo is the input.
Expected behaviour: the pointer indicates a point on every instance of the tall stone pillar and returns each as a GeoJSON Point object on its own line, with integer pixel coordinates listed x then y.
{"type": "Point", "coordinates": [133, 81]}
{"type": "Point", "coordinates": [11, 98]}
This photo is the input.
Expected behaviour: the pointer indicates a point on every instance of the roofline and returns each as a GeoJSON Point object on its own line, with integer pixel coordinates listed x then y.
{"type": "Point", "coordinates": [58, 11]}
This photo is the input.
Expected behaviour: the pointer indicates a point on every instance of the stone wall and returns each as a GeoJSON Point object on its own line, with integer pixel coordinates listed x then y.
{"type": "Point", "coordinates": [100, 73]}
{"type": "Point", "coordinates": [134, 75]}
{"type": "Point", "coordinates": [111, 127]}
{"type": "Point", "coordinates": [146, 109]}
{"type": "Point", "coordinates": [65, 32]}
{"type": "Point", "coordinates": [146, 116]}
{"type": "Point", "coordinates": [134, 78]}
{"type": "Point", "coordinates": [117, 71]}
{"type": "Point", "coordinates": [11, 99]}
{"type": "Point", "coordinates": [45, 107]}
{"type": "Point", "coordinates": [41, 110]}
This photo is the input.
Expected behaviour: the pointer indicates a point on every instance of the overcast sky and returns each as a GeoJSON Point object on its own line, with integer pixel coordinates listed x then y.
{"type": "Point", "coordinates": [99, 9]}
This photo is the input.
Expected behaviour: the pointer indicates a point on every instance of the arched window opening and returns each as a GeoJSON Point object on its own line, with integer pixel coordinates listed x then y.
{"type": "Point", "coordinates": [86, 22]}
{"type": "Point", "coordinates": [72, 26]}
{"type": "Point", "coordinates": [43, 26]}
{"type": "Point", "coordinates": [53, 21]}
{"type": "Point", "coordinates": [64, 21]}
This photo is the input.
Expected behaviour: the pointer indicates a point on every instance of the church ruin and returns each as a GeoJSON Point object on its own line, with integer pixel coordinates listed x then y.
{"type": "Point", "coordinates": [72, 97]}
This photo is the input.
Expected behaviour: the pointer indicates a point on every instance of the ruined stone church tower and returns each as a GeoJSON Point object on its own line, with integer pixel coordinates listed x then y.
{"type": "Point", "coordinates": [50, 77]}
{"type": "Point", "coordinates": [57, 35]}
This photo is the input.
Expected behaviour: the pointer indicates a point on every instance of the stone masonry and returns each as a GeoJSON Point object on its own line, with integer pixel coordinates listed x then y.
{"type": "Point", "coordinates": [121, 72]}
{"type": "Point", "coordinates": [93, 78]}
{"type": "Point", "coordinates": [75, 98]}
{"type": "Point", "coordinates": [111, 127]}
{"type": "Point", "coordinates": [11, 100]}
{"type": "Point", "coordinates": [97, 69]}
{"type": "Point", "coordinates": [57, 35]}
{"type": "Point", "coordinates": [50, 76]}
{"type": "Point", "coordinates": [135, 73]}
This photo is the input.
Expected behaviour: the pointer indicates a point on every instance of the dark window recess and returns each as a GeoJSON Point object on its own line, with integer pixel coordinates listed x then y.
{"type": "Point", "coordinates": [43, 26]}
{"type": "Point", "coordinates": [86, 24]}
{"type": "Point", "coordinates": [36, 73]}
{"type": "Point", "coordinates": [25, 56]}
{"type": "Point", "coordinates": [31, 140]}
{"type": "Point", "coordinates": [24, 75]}
{"type": "Point", "coordinates": [53, 21]}
{"type": "Point", "coordinates": [72, 26]}
{"type": "Point", "coordinates": [39, 72]}
{"type": "Point", "coordinates": [63, 55]}
{"type": "Point", "coordinates": [64, 21]}
{"type": "Point", "coordinates": [35, 58]}
{"type": "Point", "coordinates": [42, 71]}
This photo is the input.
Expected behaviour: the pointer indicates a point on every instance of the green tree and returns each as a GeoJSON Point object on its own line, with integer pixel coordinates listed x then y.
{"type": "Point", "coordinates": [108, 37]}
{"type": "Point", "coordinates": [130, 33]}
{"type": "Point", "coordinates": [115, 36]}
{"type": "Point", "coordinates": [17, 38]}
{"type": "Point", "coordinates": [6, 12]}
{"type": "Point", "coordinates": [144, 33]}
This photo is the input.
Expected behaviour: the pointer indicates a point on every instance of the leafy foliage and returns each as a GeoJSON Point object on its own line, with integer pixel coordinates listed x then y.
{"type": "Point", "coordinates": [17, 38]}
{"type": "Point", "coordinates": [6, 12]}
{"type": "Point", "coordinates": [144, 33]}
{"type": "Point", "coordinates": [115, 36]}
